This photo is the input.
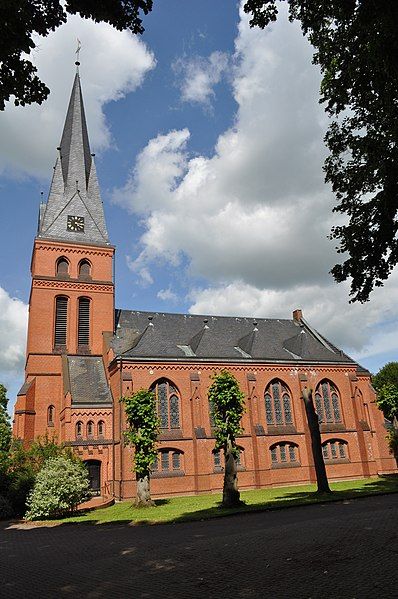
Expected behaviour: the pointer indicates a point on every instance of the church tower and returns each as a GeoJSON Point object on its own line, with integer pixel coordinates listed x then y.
{"type": "Point", "coordinates": [71, 303]}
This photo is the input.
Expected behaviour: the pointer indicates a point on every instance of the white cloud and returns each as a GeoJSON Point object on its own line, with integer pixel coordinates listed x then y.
{"type": "Point", "coordinates": [364, 330]}
{"type": "Point", "coordinates": [114, 63]}
{"type": "Point", "coordinates": [167, 295]}
{"type": "Point", "coordinates": [253, 219]}
{"type": "Point", "coordinates": [151, 183]}
{"type": "Point", "coordinates": [138, 267]}
{"type": "Point", "coordinates": [197, 76]}
{"type": "Point", "coordinates": [13, 325]}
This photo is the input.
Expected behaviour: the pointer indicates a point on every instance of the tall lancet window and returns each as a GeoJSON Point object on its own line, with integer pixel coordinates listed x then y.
{"type": "Point", "coordinates": [83, 333]}
{"type": "Point", "coordinates": [61, 320]}
{"type": "Point", "coordinates": [278, 407]}
{"type": "Point", "coordinates": [327, 403]}
{"type": "Point", "coordinates": [168, 404]}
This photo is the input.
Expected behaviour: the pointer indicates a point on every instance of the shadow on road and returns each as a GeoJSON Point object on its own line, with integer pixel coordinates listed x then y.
{"type": "Point", "coordinates": [382, 485]}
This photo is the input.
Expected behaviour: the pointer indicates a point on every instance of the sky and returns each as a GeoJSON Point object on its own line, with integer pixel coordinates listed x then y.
{"type": "Point", "coordinates": [209, 148]}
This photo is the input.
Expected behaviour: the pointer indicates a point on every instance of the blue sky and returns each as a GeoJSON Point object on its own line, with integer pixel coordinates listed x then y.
{"type": "Point", "coordinates": [208, 142]}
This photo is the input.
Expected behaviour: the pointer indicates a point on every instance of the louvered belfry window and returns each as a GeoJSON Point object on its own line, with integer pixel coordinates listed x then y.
{"type": "Point", "coordinates": [61, 320]}
{"type": "Point", "coordinates": [84, 321]}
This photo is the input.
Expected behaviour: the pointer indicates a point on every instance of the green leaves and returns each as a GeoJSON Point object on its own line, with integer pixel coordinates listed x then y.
{"type": "Point", "coordinates": [143, 430]}
{"type": "Point", "coordinates": [60, 486]}
{"type": "Point", "coordinates": [387, 400]}
{"type": "Point", "coordinates": [356, 47]}
{"type": "Point", "coordinates": [386, 384]}
{"type": "Point", "coordinates": [228, 406]}
{"type": "Point", "coordinates": [5, 426]}
{"type": "Point", "coordinates": [23, 20]}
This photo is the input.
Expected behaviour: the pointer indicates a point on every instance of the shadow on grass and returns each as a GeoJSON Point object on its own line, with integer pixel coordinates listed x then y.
{"type": "Point", "coordinates": [380, 486]}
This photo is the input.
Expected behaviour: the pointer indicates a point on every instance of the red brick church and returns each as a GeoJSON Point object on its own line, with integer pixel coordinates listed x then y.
{"type": "Point", "coordinates": [83, 355]}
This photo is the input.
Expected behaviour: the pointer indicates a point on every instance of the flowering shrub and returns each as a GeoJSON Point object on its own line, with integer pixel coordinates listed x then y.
{"type": "Point", "coordinates": [60, 486]}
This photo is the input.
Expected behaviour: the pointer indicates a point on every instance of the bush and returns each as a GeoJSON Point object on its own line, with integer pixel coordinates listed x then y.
{"type": "Point", "coordinates": [19, 467]}
{"type": "Point", "coordinates": [6, 510]}
{"type": "Point", "coordinates": [60, 486]}
{"type": "Point", "coordinates": [392, 440]}
{"type": "Point", "coordinates": [21, 484]}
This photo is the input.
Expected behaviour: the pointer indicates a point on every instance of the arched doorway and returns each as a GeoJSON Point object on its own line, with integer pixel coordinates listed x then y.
{"type": "Point", "coordinates": [94, 474]}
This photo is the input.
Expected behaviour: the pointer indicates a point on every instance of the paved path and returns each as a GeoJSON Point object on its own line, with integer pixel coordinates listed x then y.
{"type": "Point", "coordinates": [343, 550]}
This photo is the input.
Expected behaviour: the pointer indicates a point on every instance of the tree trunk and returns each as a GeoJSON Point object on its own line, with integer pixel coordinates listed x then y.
{"type": "Point", "coordinates": [316, 444]}
{"type": "Point", "coordinates": [230, 495]}
{"type": "Point", "coordinates": [143, 498]}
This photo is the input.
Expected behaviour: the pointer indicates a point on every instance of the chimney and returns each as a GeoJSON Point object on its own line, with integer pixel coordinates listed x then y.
{"type": "Point", "coordinates": [297, 315]}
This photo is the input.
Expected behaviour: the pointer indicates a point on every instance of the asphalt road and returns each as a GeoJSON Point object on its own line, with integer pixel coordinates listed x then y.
{"type": "Point", "coordinates": [345, 550]}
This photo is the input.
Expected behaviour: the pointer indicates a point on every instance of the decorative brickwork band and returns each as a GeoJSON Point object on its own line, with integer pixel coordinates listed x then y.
{"type": "Point", "coordinates": [78, 286]}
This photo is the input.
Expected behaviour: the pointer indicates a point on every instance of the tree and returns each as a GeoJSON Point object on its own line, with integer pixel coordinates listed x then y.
{"type": "Point", "coordinates": [386, 384]}
{"type": "Point", "coordinates": [5, 442]}
{"type": "Point", "coordinates": [356, 47]}
{"type": "Point", "coordinates": [316, 443]}
{"type": "Point", "coordinates": [60, 486]}
{"type": "Point", "coordinates": [227, 401]}
{"type": "Point", "coordinates": [5, 426]}
{"type": "Point", "coordinates": [143, 423]}
{"type": "Point", "coordinates": [22, 20]}
{"type": "Point", "coordinates": [19, 467]}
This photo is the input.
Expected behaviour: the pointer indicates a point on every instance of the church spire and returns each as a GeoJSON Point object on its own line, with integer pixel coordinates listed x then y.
{"type": "Point", "coordinates": [74, 210]}
{"type": "Point", "coordinates": [75, 147]}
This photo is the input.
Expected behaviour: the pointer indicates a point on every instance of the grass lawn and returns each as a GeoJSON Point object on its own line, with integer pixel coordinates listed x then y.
{"type": "Point", "coordinates": [180, 509]}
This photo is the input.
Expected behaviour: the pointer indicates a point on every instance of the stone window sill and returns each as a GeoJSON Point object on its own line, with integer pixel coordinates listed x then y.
{"type": "Point", "coordinates": [330, 462]}
{"type": "Point", "coordinates": [83, 349]}
{"type": "Point", "coordinates": [60, 349]}
{"type": "Point", "coordinates": [277, 465]}
{"type": "Point", "coordinates": [332, 427]}
{"type": "Point", "coordinates": [168, 435]}
{"type": "Point", "coordinates": [167, 474]}
{"type": "Point", "coordinates": [220, 469]}
{"type": "Point", "coordinates": [278, 429]}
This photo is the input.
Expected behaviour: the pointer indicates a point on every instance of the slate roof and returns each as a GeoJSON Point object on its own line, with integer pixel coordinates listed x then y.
{"type": "Point", "coordinates": [147, 335]}
{"type": "Point", "coordinates": [74, 188]}
{"type": "Point", "coordinates": [25, 387]}
{"type": "Point", "coordinates": [88, 384]}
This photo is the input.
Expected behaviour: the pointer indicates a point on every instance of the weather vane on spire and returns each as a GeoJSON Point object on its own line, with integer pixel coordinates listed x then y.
{"type": "Point", "coordinates": [79, 45]}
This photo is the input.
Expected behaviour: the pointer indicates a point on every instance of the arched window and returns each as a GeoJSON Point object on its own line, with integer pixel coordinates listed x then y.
{"type": "Point", "coordinates": [240, 460]}
{"type": "Point", "coordinates": [62, 267]}
{"type": "Point", "coordinates": [84, 269]}
{"type": "Point", "coordinates": [285, 454]}
{"type": "Point", "coordinates": [61, 320]}
{"type": "Point", "coordinates": [79, 429]}
{"type": "Point", "coordinates": [327, 403]}
{"type": "Point", "coordinates": [211, 414]}
{"type": "Point", "coordinates": [278, 404]}
{"type": "Point", "coordinates": [168, 404]}
{"type": "Point", "coordinates": [90, 428]}
{"type": "Point", "coordinates": [101, 428]}
{"type": "Point", "coordinates": [83, 331]}
{"type": "Point", "coordinates": [50, 415]}
{"type": "Point", "coordinates": [218, 459]}
{"type": "Point", "coordinates": [168, 461]}
{"type": "Point", "coordinates": [335, 449]}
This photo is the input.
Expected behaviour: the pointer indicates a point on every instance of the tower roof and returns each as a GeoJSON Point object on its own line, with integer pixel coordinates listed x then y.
{"type": "Point", "coordinates": [74, 210]}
